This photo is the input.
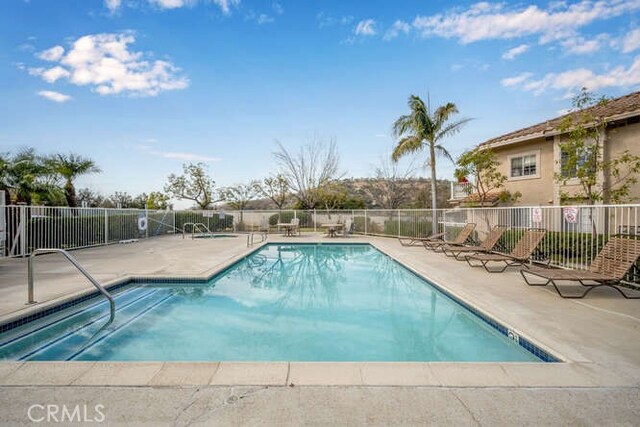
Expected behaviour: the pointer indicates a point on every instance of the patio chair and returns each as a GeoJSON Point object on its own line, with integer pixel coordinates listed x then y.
{"type": "Point", "coordinates": [346, 228]}
{"type": "Point", "coordinates": [608, 268]}
{"type": "Point", "coordinates": [295, 226]}
{"type": "Point", "coordinates": [486, 246]}
{"type": "Point", "coordinates": [460, 240]}
{"type": "Point", "coordinates": [416, 241]}
{"type": "Point", "coordinates": [520, 255]}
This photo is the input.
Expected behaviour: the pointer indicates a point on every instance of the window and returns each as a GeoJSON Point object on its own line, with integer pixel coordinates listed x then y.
{"type": "Point", "coordinates": [568, 167]}
{"type": "Point", "coordinates": [523, 166]}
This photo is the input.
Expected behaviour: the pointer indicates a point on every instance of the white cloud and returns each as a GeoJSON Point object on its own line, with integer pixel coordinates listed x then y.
{"type": "Point", "coordinates": [54, 96]}
{"type": "Point", "coordinates": [577, 78]}
{"type": "Point", "coordinates": [516, 80]}
{"type": "Point", "coordinates": [631, 41]}
{"type": "Point", "coordinates": [53, 74]}
{"type": "Point", "coordinates": [325, 20]}
{"type": "Point", "coordinates": [112, 5]}
{"type": "Point", "coordinates": [52, 54]}
{"type": "Point", "coordinates": [516, 51]}
{"type": "Point", "coordinates": [170, 4]}
{"type": "Point", "coordinates": [398, 27]}
{"type": "Point", "coordinates": [224, 5]}
{"type": "Point", "coordinates": [264, 19]}
{"type": "Point", "coordinates": [104, 62]}
{"type": "Point", "coordinates": [365, 27]}
{"type": "Point", "coordinates": [258, 18]}
{"type": "Point", "coordinates": [581, 46]}
{"type": "Point", "coordinates": [484, 21]}
{"type": "Point", "coordinates": [277, 8]}
{"type": "Point", "coordinates": [186, 156]}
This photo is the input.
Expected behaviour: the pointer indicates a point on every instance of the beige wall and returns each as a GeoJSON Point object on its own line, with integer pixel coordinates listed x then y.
{"type": "Point", "coordinates": [543, 190]}
{"type": "Point", "coordinates": [535, 190]}
{"type": "Point", "coordinates": [621, 139]}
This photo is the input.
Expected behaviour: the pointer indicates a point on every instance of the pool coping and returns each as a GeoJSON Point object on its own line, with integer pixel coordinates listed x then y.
{"type": "Point", "coordinates": [293, 374]}
{"type": "Point", "coordinates": [570, 373]}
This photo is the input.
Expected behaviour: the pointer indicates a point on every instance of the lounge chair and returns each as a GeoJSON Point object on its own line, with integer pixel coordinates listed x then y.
{"type": "Point", "coordinates": [460, 240]}
{"type": "Point", "coordinates": [520, 255]}
{"type": "Point", "coordinates": [416, 241]}
{"type": "Point", "coordinates": [608, 268]}
{"type": "Point", "coordinates": [486, 246]}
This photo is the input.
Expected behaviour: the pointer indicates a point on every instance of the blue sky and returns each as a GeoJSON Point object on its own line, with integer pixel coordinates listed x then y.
{"type": "Point", "coordinates": [143, 85]}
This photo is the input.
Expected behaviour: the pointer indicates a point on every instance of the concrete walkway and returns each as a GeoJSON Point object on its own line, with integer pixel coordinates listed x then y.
{"type": "Point", "coordinates": [598, 338]}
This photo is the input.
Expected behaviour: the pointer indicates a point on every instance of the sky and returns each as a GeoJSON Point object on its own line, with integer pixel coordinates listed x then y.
{"type": "Point", "coordinates": [143, 86]}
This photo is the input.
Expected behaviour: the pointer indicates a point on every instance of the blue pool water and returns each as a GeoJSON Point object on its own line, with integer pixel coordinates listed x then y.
{"type": "Point", "coordinates": [284, 302]}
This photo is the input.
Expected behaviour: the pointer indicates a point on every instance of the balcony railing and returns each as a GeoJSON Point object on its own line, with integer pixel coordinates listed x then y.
{"type": "Point", "coordinates": [460, 190]}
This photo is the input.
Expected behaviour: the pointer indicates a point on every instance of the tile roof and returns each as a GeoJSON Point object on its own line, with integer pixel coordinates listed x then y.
{"type": "Point", "coordinates": [491, 197]}
{"type": "Point", "coordinates": [615, 107]}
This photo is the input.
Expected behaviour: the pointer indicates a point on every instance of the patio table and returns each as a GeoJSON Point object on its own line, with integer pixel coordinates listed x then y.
{"type": "Point", "coordinates": [289, 228]}
{"type": "Point", "coordinates": [332, 228]}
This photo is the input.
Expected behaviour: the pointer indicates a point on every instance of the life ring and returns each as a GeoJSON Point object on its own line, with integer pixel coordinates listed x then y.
{"type": "Point", "coordinates": [142, 223]}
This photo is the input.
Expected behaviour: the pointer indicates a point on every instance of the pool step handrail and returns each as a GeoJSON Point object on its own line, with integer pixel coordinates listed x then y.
{"type": "Point", "coordinates": [76, 264]}
{"type": "Point", "coordinates": [195, 227]}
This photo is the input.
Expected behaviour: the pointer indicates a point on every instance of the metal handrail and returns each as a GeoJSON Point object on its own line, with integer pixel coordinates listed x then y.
{"type": "Point", "coordinates": [76, 264]}
{"type": "Point", "coordinates": [195, 226]}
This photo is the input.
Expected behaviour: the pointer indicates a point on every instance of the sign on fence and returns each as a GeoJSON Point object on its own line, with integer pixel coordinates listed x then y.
{"type": "Point", "coordinates": [536, 215]}
{"type": "Point", "coordinates": [571, 215]}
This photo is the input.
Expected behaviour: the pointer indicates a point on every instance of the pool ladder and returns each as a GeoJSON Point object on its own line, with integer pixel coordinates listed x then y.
{"type": "Point", "coordinates": [76, 264]}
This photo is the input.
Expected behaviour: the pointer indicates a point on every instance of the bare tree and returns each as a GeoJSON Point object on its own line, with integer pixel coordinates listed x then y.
{"type": "Point", "coordinates": [315, 165]}
{"type": "Point", "coordinates": [391, 187]}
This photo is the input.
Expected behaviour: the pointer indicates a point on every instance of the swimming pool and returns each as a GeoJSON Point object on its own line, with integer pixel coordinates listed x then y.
{"type": "Point", "coordinates": [284, 302]}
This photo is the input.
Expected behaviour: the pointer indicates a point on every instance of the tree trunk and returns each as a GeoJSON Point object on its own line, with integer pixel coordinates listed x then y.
{"type": "Point", "coordinates": [70, 194]}
{"type": "Point", "coordinates": [434, 203]}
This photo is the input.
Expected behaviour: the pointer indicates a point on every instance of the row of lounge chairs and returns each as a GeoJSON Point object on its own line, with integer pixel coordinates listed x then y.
{"type": "Point", "coordinates": [608, 268]}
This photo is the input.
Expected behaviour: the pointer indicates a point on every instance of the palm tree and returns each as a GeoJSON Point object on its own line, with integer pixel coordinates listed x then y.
{"type": "Point", "coordinates": [69, 167]}
{"type": "Point", "coordinates": [423, 128]}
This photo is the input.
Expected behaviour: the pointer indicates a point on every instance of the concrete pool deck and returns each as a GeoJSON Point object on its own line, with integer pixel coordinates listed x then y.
{"type": "Point", "coordinates": [598, 338]}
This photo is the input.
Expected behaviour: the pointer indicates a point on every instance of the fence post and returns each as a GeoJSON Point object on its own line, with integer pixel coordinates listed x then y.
{"type": "Point", "coordinates": [106, 226]}
{"type": "Point", "coordinates": [23, 230]}
{"type": "Point", "coordinates": [314, 220]}
{"type": "Point", "coordinates": [146, 218]}
{"type": "Point", "coordinates": [398, 222]}
{"type": "Point", "coordinates": [365, 222]}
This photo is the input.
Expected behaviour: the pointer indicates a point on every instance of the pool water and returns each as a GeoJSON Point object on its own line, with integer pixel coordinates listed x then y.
{"type": "Point", "coordinates": [298, 302]}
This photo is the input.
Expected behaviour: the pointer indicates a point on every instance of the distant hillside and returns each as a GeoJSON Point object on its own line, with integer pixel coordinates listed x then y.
{"type": "Point", "coordinates": [376, 193]}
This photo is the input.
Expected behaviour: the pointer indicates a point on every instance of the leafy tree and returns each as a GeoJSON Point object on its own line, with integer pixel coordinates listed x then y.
{"type": "Point", "coordinates": [158, 200]}
{"type": "Point", "coordinates": [316, 165]}
{"type": "Point", "coordinates": [583, 160]}
{"type": "Point", "coordinates": [482, 166]}
{"type": "Point", "coordinates": [92, 198]}
{"type": "Point", "coordinates": [276, 189]}
{"type": "Point", "coordinates": [121, 199]}
{"type": "Point", "coordinates": [424, 128]}
{"type": "Point", "coordinates": [194, 184]}
{"type": "Point", "coordinates": [69, 167]}
{"type": "Point", "coordinates": [238, 197]}
{"type": "Point", "coordinates": [29, 179]}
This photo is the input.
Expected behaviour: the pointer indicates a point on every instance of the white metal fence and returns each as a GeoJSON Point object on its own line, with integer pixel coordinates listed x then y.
{"type": "Point", "coordinates": [575, 234]}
